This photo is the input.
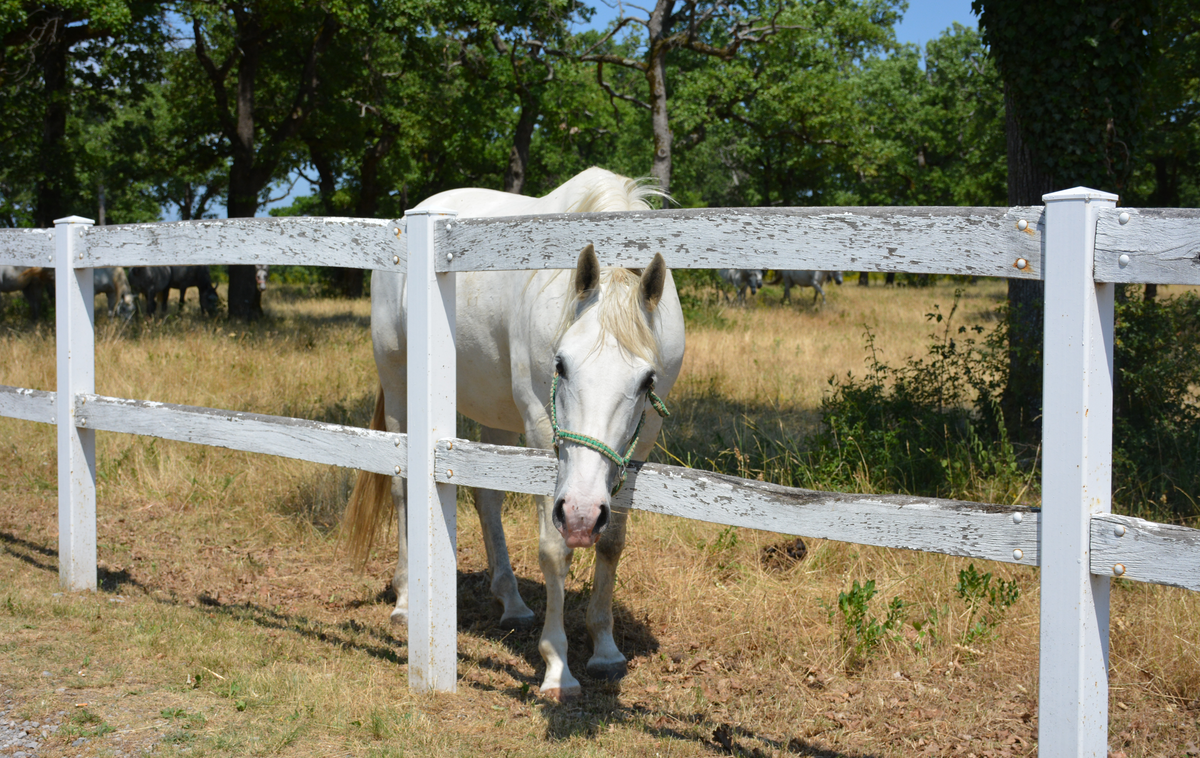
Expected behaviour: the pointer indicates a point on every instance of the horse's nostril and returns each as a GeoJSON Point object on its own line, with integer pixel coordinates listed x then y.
{"type": "Point", "coordinates": [558, 516]}
{"type": "Point", "coordinates": [601, 520]}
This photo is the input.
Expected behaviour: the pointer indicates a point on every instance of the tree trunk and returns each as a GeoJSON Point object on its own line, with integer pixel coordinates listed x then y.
{"type": "Point", "coordinates": [1022, 397]}
{"type": "Point", "coordinates": [245, 301]}
{"type": "Point", "coordinates": [326, 178]}
{"type": "Point", "coordinates": [656, 77]}
{"type": "Point", "coordinates": [343, 279]}
{"type": "Point", "coordinates": [352, 281]}
{"type": "Point", "coordinates": [56, 168]}
{"type": "Point", "coordinates": [518, 157]}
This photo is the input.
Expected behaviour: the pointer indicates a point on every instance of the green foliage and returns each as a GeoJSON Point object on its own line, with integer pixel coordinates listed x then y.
{"type": "Point", "coordinates": [1075, 73]}
{"type": "Point", "coordinates": [67, 71]}
{"type": "Point", "coordinates": [985, 601]}
{"type": "Point", "coordinates": [861, 631]}
{"type": "Point", "coordinates": [700, 298]}
{"type": "Point", "coordinates": [1156, 427]}
{"type": "Point", "coordinates": [721, 549]}
{"type": "Point", "coordinates": [931, 135]}
{"type": "Point", "coordinates": [1168, 173]}
{"type": "Point", "coordinates": [930, 427]}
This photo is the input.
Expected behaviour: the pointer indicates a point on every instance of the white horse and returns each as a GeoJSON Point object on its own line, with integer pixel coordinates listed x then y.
{"type": "Point", "coordinates": [576, 356]}
{"type": "Point", "coordinates": [742, 279]}
{"type": "Point", "coordinates": [115, 286]}
{"type": "Point", "coordinates": [804, 278]}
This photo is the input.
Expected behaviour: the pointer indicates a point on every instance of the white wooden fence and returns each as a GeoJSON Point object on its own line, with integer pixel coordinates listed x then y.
{"type": "Point", "coordinates": [1079, 243]}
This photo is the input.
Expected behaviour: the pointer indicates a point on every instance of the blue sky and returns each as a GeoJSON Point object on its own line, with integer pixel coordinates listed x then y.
{"type": "Point", "coordinates": [924, 20]}
{"type": "Point", "coordinates": [927, 19]}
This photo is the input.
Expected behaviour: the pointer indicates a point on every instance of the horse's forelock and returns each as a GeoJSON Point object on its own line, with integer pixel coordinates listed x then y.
{"type": "Point", "coordinates": [621, 314]}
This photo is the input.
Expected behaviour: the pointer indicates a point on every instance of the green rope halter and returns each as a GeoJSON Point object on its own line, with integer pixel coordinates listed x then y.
{"type": "Point", "coordinates": [592, 443]}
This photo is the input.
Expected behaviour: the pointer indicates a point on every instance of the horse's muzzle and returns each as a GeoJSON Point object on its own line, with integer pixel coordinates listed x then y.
{"type": "Point", "coordinates": [579, 529]}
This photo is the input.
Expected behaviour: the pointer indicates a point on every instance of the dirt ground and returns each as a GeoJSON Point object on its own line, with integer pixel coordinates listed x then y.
{"type": "Point", "coordinates": [229, 623]}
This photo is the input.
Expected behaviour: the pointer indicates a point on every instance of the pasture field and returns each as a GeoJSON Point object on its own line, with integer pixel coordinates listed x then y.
{"type": "Point", "coordinates": [229, 623]}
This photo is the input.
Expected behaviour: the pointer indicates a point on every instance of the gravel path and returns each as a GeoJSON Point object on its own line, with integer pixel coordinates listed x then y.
{"type": "Point", "coordinates": [21, 739]}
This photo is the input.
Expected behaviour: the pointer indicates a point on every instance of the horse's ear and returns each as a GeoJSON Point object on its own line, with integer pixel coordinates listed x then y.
{"type": "Point", "coordinates": [587, 271]}
{"type": "Point", "coordinates": [654, 278]}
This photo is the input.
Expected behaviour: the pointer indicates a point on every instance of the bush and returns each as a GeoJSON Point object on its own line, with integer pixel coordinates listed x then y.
{"type": "Point", "coordinates": [1156, 429]}
{"type": "Point", "coordinates": [930, 427]}
{"type": "Point", "coordinates": [934, 425]}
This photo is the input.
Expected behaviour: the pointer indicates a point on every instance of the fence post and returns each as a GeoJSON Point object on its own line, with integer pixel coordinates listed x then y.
{"type": "Point", "coordinates": [1076, 480]}
{"type": "Point", "coordinates": [432, 517]}
{"type": "Point", "coordinates": [76, 346]}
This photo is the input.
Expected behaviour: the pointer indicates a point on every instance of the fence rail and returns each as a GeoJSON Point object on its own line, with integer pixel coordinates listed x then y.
{"type": "Point", "coordinates": [1079, 244]}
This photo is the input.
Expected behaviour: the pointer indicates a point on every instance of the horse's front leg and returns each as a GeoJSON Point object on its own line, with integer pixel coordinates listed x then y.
{"type": "Point", "coordinates": [607, 662]}
{"type": "Point", "coordinates": [489, 504]}
{"type": "Point", "coordinates": [555, 559]}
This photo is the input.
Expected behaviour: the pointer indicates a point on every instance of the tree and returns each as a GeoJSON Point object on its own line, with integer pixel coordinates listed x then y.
{"type": "Point", "coordinates": [55, 59]}
{"type": "Point", "coordinates": [1169, 175]}
{"type": "Point", "coordinates": [260, 61]}
{"type": "Point", "coordinates": [1073, 103]}
{"type": "Point", "coordinates": [717, 29]}
{"type": "Point", "coordinates": [931, 136]}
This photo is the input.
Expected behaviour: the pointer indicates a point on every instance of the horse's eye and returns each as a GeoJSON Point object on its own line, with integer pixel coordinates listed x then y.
{"type": "Point", "coordinates": [560, 368]}
{"type": "Point", "coordinates": [648, 383]}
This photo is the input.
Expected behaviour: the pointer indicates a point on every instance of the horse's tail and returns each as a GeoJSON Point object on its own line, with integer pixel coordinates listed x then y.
{"type": "Point", "coordinates": [370, 505]}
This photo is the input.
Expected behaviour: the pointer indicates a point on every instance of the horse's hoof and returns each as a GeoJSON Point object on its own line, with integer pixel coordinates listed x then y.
{"type": "Point", "coordinates": [518, 623]}
{"type": "Point", "coordinates": [399, 617]}
{"type": "Point", "coordinates": [560, 694]}
{"type": "Point", "coordinates": [608, 672]}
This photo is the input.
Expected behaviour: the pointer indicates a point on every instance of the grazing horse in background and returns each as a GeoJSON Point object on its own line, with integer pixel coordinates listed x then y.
{"type": "Point", "coordinates": [184, 278]}
{"type": "Point", "coordinates": [742, 279]}
{"type": "Point", "coordinates": [814, 279]}
{"type": "Point", "coordinates": [153, 282]}
{"type": "Point", "coordinates": [570, 359]}
{"type": "Point", "coordinates": [261, 270]}
{"type": "Point", "coordinates": [115, 286]}
{"type": "Point", "coordinates": [30, 282]}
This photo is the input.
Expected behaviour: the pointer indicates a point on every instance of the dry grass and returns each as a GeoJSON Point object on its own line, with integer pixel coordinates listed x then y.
{"type": "Point", "coordinates": [228, 623]}
{"type": "Point", "coordinates": [768, 368]}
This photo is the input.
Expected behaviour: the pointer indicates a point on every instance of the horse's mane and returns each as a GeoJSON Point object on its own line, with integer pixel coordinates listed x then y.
{"type": "Point", "coordinates": [606, 191]}
{"type": "Point", "coordinates": [621, 312]}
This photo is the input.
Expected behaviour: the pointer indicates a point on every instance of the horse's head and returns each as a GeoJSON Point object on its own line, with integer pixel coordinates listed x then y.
{"type": "Point", "coordinates": [606, 366]}
{"type": "Point", "coordinates": [126, 306]}
{"type": "Point", "coordinates": [260, 276]}
{"type": "Point", "coordinates": [837, 278]}
{"type": "Point", "coordinates": [755, 278]}
{"type": "Point", "coordinates": [209, 300]}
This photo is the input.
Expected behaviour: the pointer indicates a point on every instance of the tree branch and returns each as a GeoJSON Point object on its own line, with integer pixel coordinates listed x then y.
{"type": "Point", "coordinates": [306, 92]}
{"type": "Point", "coordinates": [613, 93]}
{"type": "Point", "coordinates": [217, 77]}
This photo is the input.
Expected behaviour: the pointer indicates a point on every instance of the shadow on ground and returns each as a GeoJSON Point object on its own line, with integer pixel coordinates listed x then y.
{"type": "Point", "coordinates": [601, 703]}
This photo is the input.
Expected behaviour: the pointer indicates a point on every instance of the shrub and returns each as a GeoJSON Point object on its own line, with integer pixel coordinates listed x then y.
{"type": "Point", "coordinates": [1156, 429]}
{"type": "Point", "coordinates": [862, 632]}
